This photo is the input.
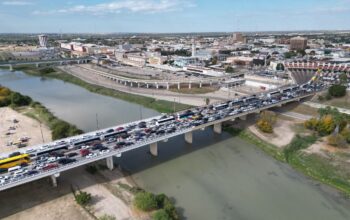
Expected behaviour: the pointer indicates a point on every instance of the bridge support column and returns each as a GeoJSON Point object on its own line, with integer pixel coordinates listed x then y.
{"type": "Point", "coordinates": [218, 128]}
{"type": "Point", "coordinates": [200, 84]}
{"type": "Point", "coordinates": [157, 86]}
{"type": "Point", "coordinates": [110, 163]}
{"type": "Point", "coordinates": [243, 118]}
{"type": "Point", "coordinates": [131, 84]}
{"type": "Point", "coordinates": [211, 83]}
{"type": "Point", "coordinates": [153, 148]}
{"type": "Point", "coordinates": [54, 179]}
{"type": "Point", "coordinates": [147, 86]}
{"type": "Point", "coordinates": [11, 67]}
{"type": "Point", "coordinates": [189, 137]}
{"type": "Point", "coordinates": [190, 85]}
{"type": "Point", "coordinates": [167, 86]}
{"type": "Point", "coordinates": [37, 65]}
{"type": "Point", "coordinates": [178, 86]}
{"type": "Point", "coordinates": [138, 85]}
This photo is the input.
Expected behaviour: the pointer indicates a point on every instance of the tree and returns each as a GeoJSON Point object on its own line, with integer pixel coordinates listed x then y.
{"type": "Point", "coordinates": [326, 125]}
{"type": "Point", "coordinates": [264, 126]}
{"type": "Point", "coordinates": [268, 116]}
{"type": "Point", "coordinates": [145, 201]}
{"type": "Point", "coordinates": [337, 141]}
{"type": "Point", "coordinates": [83, 198]}
{"type": "Point", "coordinates": [311, 124]}
{"type": "Point", "coordinates": [229, 69]}
{"type": "Point", "coordinates": [280, 67]}
{"type": "Point", "coordinates": [337, 90]}
{"type": "Point", "coordinates": [161, 215]}
{"type": "Point", "coordinates": [207, 101]}
{"type": "Point", "coordinates": [343, 78]}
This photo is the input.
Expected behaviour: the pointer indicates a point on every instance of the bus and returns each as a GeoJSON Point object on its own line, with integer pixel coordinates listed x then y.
{"type": "Point", "coordinates": [20, 160]}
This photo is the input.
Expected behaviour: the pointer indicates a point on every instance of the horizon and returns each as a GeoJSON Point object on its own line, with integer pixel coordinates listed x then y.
{"type": "Point", "coordinates": [176, 16]}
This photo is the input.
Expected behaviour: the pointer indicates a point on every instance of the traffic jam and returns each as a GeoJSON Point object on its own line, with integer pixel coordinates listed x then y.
{"type": "Point", "coordinates": [17, 166]}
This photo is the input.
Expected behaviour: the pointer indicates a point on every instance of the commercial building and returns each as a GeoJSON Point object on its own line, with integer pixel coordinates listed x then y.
{"type": "Point", "coordinates": [298, 43]}
{"type": "Point", "coordinates": [43, 40]}
{"type": "Point", "coordinates": [238, 37]}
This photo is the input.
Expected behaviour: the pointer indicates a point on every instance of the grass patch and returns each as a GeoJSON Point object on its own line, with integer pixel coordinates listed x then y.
{"type": "Point", "coordinates": [195, 90]}
{"type": "Point", "coordinates": [148, 102]}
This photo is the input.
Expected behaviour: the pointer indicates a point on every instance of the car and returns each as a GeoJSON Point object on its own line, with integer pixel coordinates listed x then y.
{"type": "Point", "coordinates": [84, 152]}
{"type": "Point", "coordinates": [50, 166]}
{"type": "Point", "coordinates": [64, 161]}
{"type": "Point", "coordinates": [73, 154]}
{"type": "Point", "coordinates": [32, 172]}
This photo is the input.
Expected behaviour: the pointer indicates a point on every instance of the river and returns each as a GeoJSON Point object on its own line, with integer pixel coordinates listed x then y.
{"type": "Point", "coordinates": [218, 177]}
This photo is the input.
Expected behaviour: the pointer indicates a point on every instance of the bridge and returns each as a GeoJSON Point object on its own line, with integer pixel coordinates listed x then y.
{"type": "Point", "coordinates": [11, 64]}
{"type": "Point", "coordinates": [119, 139]}
{"type": "Point", "coordinates": [314, 66]}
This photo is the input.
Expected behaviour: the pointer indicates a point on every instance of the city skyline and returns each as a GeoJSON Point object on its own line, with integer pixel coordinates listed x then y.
{"type": "Point", "coordinates": [165, 16]}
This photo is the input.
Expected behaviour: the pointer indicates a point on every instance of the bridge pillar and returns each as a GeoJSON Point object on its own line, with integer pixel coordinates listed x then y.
{"type": "Point", "coordinates": [138, 85]}
{"type": "Point", "coordinates": [147, 86]}
{"type": "Point", "coordinates": [200, 84]}
{"type": "Point", "coordinates": [153, 148]}
{"type": "Point", "coordinates": [167, 86]}
{"type": "Point", "coordinates": [189, 137]}
{"type": "Point", "coordinates": [125, 83]}
{"type": "Point", "coordinates": [131, 84]}
{"type": "Point", "coordinates": [54, 179]}
{"type": "Point", "coordinates": [157, 86]}
{"type": "Point", "coordinates": [211, 83]}
{"type": "Point", "coordinates": [37, 65]}
{"type": "Point", "coordinates": [190, 85]}
{"type": "Point", "coordinates": [11, 67]}
{"type": "Point", "coordinates": [178, 86]}
{"type": "Point", "coordinates": [243, 118]}
{"type": "Point", "coordinates": [110, 163]}
{"type": "Point", "coordinates": [218, 128]}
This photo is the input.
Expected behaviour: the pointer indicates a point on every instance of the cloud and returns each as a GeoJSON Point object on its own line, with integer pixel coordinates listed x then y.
{"type": "Point", "coordinates": [143, 6]}
{"type": "Point", "coordinates": [17, 3]}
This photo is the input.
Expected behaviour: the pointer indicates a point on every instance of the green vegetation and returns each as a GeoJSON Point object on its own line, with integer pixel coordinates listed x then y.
{"type": "Point", "coordinates": [158, 105]}
{"type": "Point", "coordinates": [82, 198]}
{"type": "Point", "coordinates": [230, 69]}
{"type": "Point", "coordinates": [92, 169]}
{"type": "Point", "coordinates": [59, 128]}
{"type": "Point", "coordinates": [145, 201]}
{"type": "Point", "coordinates": [161, 215]}
{"type": "Point", "coordinates": [298, 143]}
{"type": "Point", "coordinates": [337, 91]}
{"type": "Point", "coordinates": [107, 217]}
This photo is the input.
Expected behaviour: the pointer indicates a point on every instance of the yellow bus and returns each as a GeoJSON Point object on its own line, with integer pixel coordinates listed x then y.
{"type": "Point", "coordinates": [14, 161]}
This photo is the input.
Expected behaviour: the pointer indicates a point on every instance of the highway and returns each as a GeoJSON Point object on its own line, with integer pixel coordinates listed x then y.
{"type": "Point", "coordinates": [61, 155]}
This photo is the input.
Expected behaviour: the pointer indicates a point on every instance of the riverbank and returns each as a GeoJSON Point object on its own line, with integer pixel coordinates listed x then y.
{"type": "Point", "coordinates": [158, 105]}
{"type": "Point", "coordinates": [19, 130]}
{"type": "Point", "coordinates": [325, 169]}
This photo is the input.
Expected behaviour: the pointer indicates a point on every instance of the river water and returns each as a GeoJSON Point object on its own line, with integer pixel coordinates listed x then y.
{"type": "Point", "coordinates": [218, 177]}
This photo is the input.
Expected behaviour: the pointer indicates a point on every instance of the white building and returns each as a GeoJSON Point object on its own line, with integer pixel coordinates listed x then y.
{"type": "Point", "coordinates": [43, 40]}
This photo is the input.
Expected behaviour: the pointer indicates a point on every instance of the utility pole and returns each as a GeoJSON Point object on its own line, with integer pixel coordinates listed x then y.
{"type": "Point", "coordinates": [97, 121]}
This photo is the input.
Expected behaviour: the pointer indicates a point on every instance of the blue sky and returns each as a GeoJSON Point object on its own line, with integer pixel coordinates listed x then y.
{"type": "Point", "coordinates": [172, 15]}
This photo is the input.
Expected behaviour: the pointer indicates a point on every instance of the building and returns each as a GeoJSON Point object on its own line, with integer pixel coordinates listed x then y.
{"type": "Point", "coordinates": [184, 61]}
{"type": "Point", "coordinates": [238, 37]}
{"type": "Point", "coordinates": [43, 40]}
{"type": "Point", "coordinates": [298, 43]}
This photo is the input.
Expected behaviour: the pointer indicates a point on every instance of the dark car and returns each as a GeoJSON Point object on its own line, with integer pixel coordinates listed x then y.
{"type": "Point", "coordinates": [32, 172]}
{"type": "Point", "coordinates": [64, 161]}
{"type": "Point", "coordinates": [73, 154]}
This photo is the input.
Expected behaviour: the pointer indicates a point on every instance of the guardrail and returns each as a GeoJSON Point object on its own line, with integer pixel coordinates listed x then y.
{"type": "Point", "coordinates": [139, 144]}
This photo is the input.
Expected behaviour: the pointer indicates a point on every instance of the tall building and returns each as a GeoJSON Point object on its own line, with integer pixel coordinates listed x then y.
{"type": "Point", "coordinates": [238, 37]}
{"type": "Point", "coordinates": [298, 43]}
{"type": "Point", "coordinates": [193, 48]}
{"type": "Point", "coordinates": [43, 40]}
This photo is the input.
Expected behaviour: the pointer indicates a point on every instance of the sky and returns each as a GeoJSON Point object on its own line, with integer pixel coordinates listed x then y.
{"type": "Point", "coordinates": [170, 16]}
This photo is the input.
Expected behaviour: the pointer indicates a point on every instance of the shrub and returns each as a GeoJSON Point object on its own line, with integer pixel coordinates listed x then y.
{"type": "Point", "coordinates": [83, 198]}
{"type": "Point", "coordinates": [145, 201]}
{"type": "Point", "coordinates": [91, 169]}
{"type": "Point", "coordinates": [326, 125]}
{"type": "Point", "coordinates": [328, 96]}
{"type": "Point", "coordinates": [337, 140]}
{"type": "Point", "coordinates": [161, 215]}
{"type": "Point", "coordinates": [346, 134]}
{"type": "Point", "coordinates": [264, 126]}
{"type": "Point", "coordinates": [164, 202]}
{"type": "Point", "coordinates": [311, 124]}
{"type": "Point", "coordinates": [46, 70]}
{"type": "Point", "coordinates": [337, 90]}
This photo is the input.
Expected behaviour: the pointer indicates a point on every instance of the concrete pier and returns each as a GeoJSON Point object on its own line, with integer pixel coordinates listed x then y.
{"type": "Point", "coordinates": [11, 67]}
{"type": "Point", "coordinates": [243, 118]}
{"type": "Point", "coordinates": [153, 148]}
{"type": "Point", "coordinates": [110, 163]}
{"type": "Point", "coordinates": [218, 128]}
{"type": "Point", "coordinates": [178, 86]}
{"type": "Point", "coordinates": [189, 137]}
{"type": "Point", "coordinates": [54, 179]}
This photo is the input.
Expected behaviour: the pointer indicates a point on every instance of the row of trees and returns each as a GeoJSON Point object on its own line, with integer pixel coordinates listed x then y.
{"type": "Point", "coordinates": [13, 99]}
{"type": "Point", "coordinates": [147, 201]}
{"type": "Point", "coordinates": [333, 124]}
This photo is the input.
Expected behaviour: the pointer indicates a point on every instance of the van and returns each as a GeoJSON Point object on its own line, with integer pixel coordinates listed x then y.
{"type": "Point", "coordinates": [14, 168]}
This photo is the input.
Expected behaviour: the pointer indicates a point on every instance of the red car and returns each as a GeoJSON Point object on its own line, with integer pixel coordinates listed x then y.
{"type": "Point", "coordinates": [50, 166]}
{"type": "Point", "coordinates": [84, 152]}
